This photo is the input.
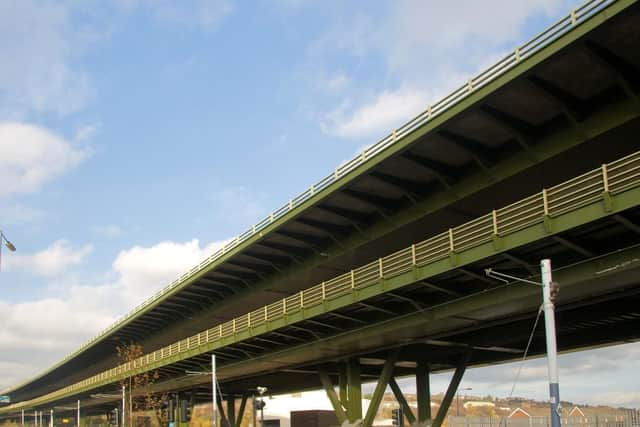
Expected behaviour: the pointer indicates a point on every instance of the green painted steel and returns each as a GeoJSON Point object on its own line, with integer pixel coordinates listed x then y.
{"type": "Point", "coordinates": [354, 390]}
{"type": "Point", "coordinates": [381, 386]}
{"type": "Point", "coordinates": [612, 188]}
{"type": "Point", "coordinates": [573, 26]}
{"type": "Point", "coordinates": [451, 390]}
{"type": "Point", "coordinates": [406, 409]}
{"type": "Point", "coordinates": [423, 391]}
{"type": "Point", "coordinates": [333, 396]}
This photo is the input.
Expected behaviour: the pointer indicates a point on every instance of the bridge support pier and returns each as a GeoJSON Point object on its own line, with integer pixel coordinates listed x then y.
{"type": "Point", "coordinates": [423, 391]}
{"type": "Point", "coordinates": [423, 418]}
{"type": "Point", "coordinates": [230, 417]}
{"type": "Point", "coordinates": [451, 390]}
{"type": "Point", "coordinates": [348, 404]}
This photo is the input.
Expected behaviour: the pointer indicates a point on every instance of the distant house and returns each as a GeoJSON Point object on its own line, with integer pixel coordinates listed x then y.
{"type": "Point", "coordinates": [576, 412]}
{"type": "Point", "coordinates": [519, 413]}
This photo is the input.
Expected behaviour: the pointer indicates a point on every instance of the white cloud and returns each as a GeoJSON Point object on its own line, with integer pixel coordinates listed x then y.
{"type": "Point", "coordinates": [37, 333]}
{"type": "Point", "coordinates": [17, 214]}
{"type": "Point", "coordinates": [335, 83]}
{"type": "Point", "coordinates": [451, 31]}
{"type": "Point", "coordinates": [85, 133]}
{"type": "Point", "coordinates": [425, 48]}
{"type": "Point", "coordinates": [618, 398]}
{"type": "Point", "coordinates": [386, 110]}
{"type": "Point", "coordinates": [52, 261]}
{"type": "Point", "coordinates": [144, 270]}
{"type": "Point", "coordinates": [38, 74]}
{"type": "Point", "coordinates": [30, 156]}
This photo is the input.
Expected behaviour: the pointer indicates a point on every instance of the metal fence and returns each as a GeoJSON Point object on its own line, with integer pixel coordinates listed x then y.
{"type": "Point", "coordinates": [596, 186]}
{"type": "Point", "coordinates": [627, 418]}
{"type": "Point", "coordinates": [563, 26]}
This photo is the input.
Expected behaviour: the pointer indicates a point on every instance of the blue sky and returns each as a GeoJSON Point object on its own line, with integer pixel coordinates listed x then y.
{"type": "Point", "coordinates": [137, 135]}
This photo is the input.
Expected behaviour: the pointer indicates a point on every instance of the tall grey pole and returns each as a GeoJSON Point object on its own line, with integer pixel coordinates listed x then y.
{"type": "Point", "coordinates": [22, 417]}
{"type": "Point", "coordinates": [51, 417]}
{"type": "Point", "coordinates": [552, 350]}
{"type": "Point", "coordinates": [214, 390]}
{"type": "Point", "coordinates": [78, 414]}
{"type": "Point", "coordinates": [124, 404]}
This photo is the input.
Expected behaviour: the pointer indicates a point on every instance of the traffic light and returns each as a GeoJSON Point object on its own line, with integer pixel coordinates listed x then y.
{"type": "Point", "coordinates": [172, 410]}
{"type": "Point", "coordinates": [113, 417]}
{"type": "Point", "coordinates": [185, 411]}
{"type": "Point", "coordinates": [259, 404]}
{"type": "Point", "coordinates": [397, 417]}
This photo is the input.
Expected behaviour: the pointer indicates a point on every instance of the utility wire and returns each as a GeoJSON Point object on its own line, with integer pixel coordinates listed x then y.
{"type": "Point", "coordinates": [503, 419]}
{"type": "Point", "coordinates": [526, 351]}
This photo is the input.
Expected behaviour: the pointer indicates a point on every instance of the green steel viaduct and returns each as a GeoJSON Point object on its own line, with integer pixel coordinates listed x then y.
{"type": "Point", "coordinates": [377, 271]}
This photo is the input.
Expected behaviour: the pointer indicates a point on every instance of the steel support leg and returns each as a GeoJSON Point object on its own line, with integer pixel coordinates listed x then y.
{"type": "Point", "coordinates": [378, 394]}
{"type": "Point", "coordinates": [406, 409]}
{"type": "Point", "coordinates": [354, 391]}
{"type": "Point", "coordinates": [451, 390]}
{"type": "Point", "coordinates": [231, 410]}
{"type": "Point", "coordinates": [343, 382]}
{"type": "Point", "coordinates": [243, 405]}
{"type": "Point", "coordinates": [222, 415]}
{"type": "Point", "coordinates": [423, 390]}
{"type": "Point", "coordinates": [327, 384]}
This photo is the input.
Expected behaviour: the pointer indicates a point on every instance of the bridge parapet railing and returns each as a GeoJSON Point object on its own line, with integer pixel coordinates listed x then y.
{"type": "Point", "coordinates": [563, 26]}
{"type": "Point", "coordinates": [595, 186]}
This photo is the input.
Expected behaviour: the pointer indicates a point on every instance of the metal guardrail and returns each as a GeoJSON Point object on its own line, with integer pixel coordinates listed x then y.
{"type": "Point", "coordinates": [596, 186]}
{"type": "Point", "coordinates": [560, 28]}
{"type": "Point", "coordinates": [622, 418]}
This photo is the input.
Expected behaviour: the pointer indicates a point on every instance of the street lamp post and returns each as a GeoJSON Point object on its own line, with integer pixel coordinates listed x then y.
{"type": "Point", "coordinates": [549, 289]}
{"type": "Point", "coordinates": [261, 392]}
{"type": "Point", "coordinates": [7, 243]}
{"type": "Point", "coordinates": [549, 294]}
{"type": "Point", "coordinates": [458, 399]}
{"type": "Point", "coordinates": [214, 387]}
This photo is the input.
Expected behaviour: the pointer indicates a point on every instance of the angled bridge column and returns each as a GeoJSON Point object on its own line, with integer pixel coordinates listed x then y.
{"type": "Point", "coordinates": [349, 412]}
{"type": "Point", "coordinates": [452, 389]}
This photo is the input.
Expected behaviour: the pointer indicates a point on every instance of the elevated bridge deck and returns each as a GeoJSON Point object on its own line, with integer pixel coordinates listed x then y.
{"type": "Point", "coordinates": [533, 120]}
{"type": "Point", "coordinates": [395, 301]}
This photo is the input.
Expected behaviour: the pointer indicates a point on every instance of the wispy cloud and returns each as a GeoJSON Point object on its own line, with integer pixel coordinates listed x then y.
{"type": "Point", "coordinates": [110, 231]}
{"type": "Point", "coordinates": [424, 49]}
{"type": "Point", "coordinates": [40, 74]}
{"type": "Point", "coordinates": [52, 261]}
{"type": "Point", "coordinates": [238, 207]}
{"type": "Point", "coordinates": [386, 110]}
{"type": "Point", "coordinates": [31, 156]}
{"type": "Point", "coordinates": [17, 214]}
